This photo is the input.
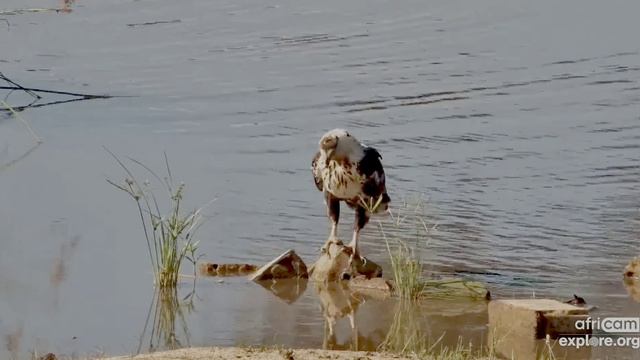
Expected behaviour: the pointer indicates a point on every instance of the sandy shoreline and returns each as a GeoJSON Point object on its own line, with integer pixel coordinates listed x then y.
{"type": "Point", "coordinates": [259, 353]}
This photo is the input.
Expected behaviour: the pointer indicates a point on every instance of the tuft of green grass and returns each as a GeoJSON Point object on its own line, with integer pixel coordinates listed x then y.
{"type": "Point", "coordinates": [406, 235]}
{"type": "Point", "coordinates": [407, 270]}
{"type": "Point", "coordinates": [404, 256]}
{"type": "Point", "coordinates": [170, 235]}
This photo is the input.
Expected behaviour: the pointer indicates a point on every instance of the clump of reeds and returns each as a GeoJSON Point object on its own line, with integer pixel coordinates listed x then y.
{"type": "Point", "coordinates": [407, 270]}
{"type": "Point", "coordinates": [169, 235]}
{"type": "Point", "coordinates": [406, 235]}
{"type": "Point", "coordinates": [405, 258]}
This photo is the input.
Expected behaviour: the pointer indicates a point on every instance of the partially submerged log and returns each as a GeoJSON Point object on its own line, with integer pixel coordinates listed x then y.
{"type": "Point", "coordinates": [213, 269]}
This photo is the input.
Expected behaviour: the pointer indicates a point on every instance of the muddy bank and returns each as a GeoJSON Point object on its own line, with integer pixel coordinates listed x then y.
{"type": "Point", "coordinates": [259, 353]}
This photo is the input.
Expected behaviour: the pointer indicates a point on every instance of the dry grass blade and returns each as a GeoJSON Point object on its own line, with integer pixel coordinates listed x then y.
{"type": "Point", "coordinates": [369, 204]}
{"type": "Point", "coordinates": [22, 120]}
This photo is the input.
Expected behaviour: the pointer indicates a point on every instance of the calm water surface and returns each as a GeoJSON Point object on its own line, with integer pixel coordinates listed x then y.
{"type": "Point", "coordinates": [518, 121]}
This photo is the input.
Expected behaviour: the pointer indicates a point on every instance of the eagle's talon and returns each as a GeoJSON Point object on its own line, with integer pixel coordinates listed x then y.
{"type": "Point", "coordinates": [355, 256]}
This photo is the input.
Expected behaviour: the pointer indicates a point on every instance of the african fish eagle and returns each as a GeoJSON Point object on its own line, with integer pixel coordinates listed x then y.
{"type": "Point", "coordinates": [346, 170]}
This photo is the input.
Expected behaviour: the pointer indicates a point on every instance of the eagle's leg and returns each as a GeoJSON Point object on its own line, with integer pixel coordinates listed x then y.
{"type": "Point", "coordinates": [333, 212]}
{"type": "Point", "coordinates": [362, 218]}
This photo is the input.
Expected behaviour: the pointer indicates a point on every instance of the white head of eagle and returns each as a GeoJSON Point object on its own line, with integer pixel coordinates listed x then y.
{"type": "Point", "coordinates": [346, 170]}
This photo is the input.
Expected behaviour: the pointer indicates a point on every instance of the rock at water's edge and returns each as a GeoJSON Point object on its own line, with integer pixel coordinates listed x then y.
{"type": "Point", "coordinates": [286, 266]}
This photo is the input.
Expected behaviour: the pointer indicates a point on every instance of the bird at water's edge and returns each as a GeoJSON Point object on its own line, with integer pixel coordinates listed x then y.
{"type": "Point", "coordinates": [346, 170]}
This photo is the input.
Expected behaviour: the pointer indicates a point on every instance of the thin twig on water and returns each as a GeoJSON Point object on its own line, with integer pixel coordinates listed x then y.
{"type": "Point", "coordinates": [34, 90]}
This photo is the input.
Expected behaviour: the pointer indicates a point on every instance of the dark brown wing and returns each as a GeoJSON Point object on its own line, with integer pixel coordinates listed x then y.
{"type": "Point", "coordinates": [371, 167]}
{"type": "Point", "coordinates": [315, 170]}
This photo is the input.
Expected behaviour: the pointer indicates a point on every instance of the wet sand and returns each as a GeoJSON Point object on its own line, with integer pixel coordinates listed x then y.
{"type": "Point", "coordinates": [260, 353]}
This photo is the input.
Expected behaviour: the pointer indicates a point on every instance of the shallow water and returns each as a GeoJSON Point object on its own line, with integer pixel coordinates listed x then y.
{"type": "Point", "coordinates": [518, 122]}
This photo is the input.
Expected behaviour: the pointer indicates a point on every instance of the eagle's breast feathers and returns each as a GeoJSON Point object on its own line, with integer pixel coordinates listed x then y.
{"type": "Point", "coordinates": [350, 181]}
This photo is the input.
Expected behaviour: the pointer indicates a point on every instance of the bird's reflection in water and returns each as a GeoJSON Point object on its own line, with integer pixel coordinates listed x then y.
{"type": "Point", "coordinates": [336, 302]}
{"type": "Point", "coordinates": [632, 285]}
{"type": "Point", "coordinates": [364, 320]}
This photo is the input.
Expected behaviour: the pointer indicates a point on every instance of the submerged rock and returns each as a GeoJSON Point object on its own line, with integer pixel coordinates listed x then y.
{"type": "Point", "coordinates": [377, 288]}
{"type": "Point", "coordinates": [632, 270]}
{"type": "Point", "coordinates": [286, 266]}
{"type": "Point", "coordinates": [334, 265]}
{"type": "Point", "coordinates": [455, 287]}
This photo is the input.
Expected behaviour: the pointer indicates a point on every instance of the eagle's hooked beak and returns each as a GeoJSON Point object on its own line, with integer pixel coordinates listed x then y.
{"type": "Point", "coordinates": [329, 155]}
{"type": "Point", "coordinates": [329, 145]}
{"type": "Point", "coordinates": [330, 152]}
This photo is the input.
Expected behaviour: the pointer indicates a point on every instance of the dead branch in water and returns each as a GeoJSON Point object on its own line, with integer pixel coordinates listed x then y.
{"type": "Point", "coordinates": [33, 105]}
{"type": "Point", "coordinates": [34, 90]}
{"type": "Point", "coordinates": [17, 86]}
{"type": "Point", "coordinates": [34, 93]}
{"type": "Point", "coordinates": [32, 10]}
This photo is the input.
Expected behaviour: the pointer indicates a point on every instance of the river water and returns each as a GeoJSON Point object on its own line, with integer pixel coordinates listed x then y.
{"type": "Point", "coordinates": [517, 122]}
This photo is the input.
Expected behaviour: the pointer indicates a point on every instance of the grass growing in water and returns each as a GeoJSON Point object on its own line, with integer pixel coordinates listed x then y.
{"type": "Point", "coordinates": [406, 235]}
{"type": "Point", "coordinates": [405, 260]}
{"type": "Point", "coordinates": [407, 270]}
{"type": "Point", "coordinates": [169, 235]}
